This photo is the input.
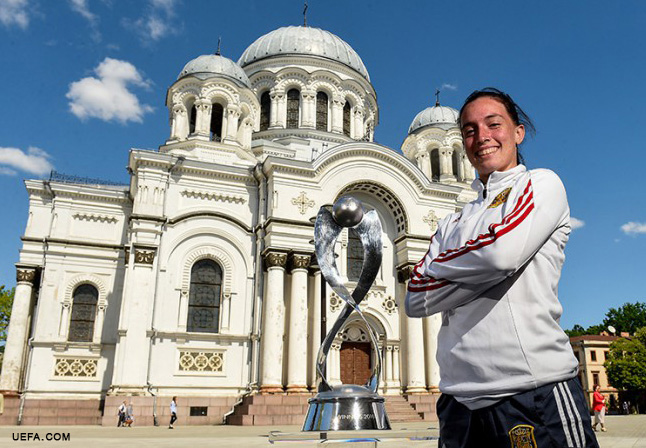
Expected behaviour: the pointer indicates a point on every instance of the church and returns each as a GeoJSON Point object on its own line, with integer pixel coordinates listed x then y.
{"type": "Point", "coordinates": [198, 280]}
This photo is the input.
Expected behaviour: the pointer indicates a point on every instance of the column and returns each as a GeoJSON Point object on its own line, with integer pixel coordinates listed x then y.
{"type": "Point", "coordinates": [337, 114]}
{"type": "Point", "coordinates": [396, 375]}
{"type": "Point", "coordinates": [358, 123]}
{"type": "Point", "coordinates": [179, 125]}
{"type": "Point", "coordinates": [309, 109]}
{"type": "Point", "coordinates": [432, 326]}
{"type": "Point", "coordinates": [12, 364]}
{"type": "Point", "coordinates": [315, 323]}
{"type": "Point", "coordinates": [203, 118]}
{"type": "Point", "coordinates": [133, 346]}
{"type": "Point", "coordinates": [446, 164]}
{"type": "Point", "coordinates": [467, 169]}
{"type": "Point", "coordinates": [297, 336]}
{"type": "Point", "coordinates": [233, 116]}
{"type": "Point", "coordinates": [273, 324]}
{"type": "Point", "coordinates": [425, 164]}
{"type": "Point", "coordinates": [414, 340]}
{"type": "Point", "coordinates": [388, 367]}
{"type": "Point", "coordinates": [275, 98]}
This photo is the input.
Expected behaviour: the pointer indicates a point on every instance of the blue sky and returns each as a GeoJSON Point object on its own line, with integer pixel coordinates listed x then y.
{"type": "Point", "coordinates": [85, 80]}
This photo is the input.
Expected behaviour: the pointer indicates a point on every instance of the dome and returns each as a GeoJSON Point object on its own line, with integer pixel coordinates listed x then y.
{"type": "Point", "coordinates": [434, 115]}
{"type": "Point", "coordinates": [208, 65]}
{"type": "Point", "coordinates": [303, 40]}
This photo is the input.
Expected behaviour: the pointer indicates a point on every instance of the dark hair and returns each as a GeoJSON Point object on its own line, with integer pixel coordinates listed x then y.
{"type": "Point", "coordinates": [518, 115]}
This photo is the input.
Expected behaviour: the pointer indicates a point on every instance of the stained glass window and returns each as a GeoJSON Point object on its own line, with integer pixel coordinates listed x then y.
{"type": "Point", "coordinates": [321, 111]}
{"type": "Point", "coordinates": [84, 302]}
{"type": "Point", "coordinates": [217, 112]}
{"type": "Point", "coordinates": [346, 119]}
{"type": "Point", "coordinates": [355, 256]}
{"type": "Point", "coordinates": [204, 297]}
{"type": "Point", "coordinates": [265, 110]}
{"type": "Point", "coordinates": [293, 100]}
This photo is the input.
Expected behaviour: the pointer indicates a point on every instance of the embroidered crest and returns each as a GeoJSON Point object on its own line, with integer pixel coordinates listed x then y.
{"type": "Point", "coordinates": [500, 199]}
{"type": "Point", "coordinates": [522, 436]}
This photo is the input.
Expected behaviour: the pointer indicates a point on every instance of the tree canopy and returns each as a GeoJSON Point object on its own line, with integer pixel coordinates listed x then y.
{"type": "Point", "coordinates": [629, 318]}
{"type": "Point", "coordinates": [626, 363]}
{"type": "Point", "coordinates": [6, 302]}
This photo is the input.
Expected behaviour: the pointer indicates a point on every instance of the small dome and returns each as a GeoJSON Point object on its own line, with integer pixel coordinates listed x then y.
{"type": "Point", "coordinates": [303, 40]}
{"type": "Point", "coordinates": [436, 115]}
{"type": "Point", "coordinates": [208, 65]}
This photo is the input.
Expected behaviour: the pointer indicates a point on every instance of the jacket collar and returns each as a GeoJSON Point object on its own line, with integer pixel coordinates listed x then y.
{"type": "Point", "coordinates": [498, 179]}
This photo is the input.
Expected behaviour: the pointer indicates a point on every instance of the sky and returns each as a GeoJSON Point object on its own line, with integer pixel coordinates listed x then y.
{"type": "Point", "coordinates": [83, 81]}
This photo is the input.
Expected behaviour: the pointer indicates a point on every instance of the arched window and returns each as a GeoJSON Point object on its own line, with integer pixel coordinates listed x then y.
{"type": "Point", "coordinates": [346, 118]}
{"type": "Point", "coordinates": [321, 111]}
{"type": "Point", "coordinates": [204, 297]}
{"type": "Point", "coordinates": [355, 256]}
{"type": "Point", "coordinates": [293, 100]}
{"type": "Point", "coordinates": [217, 112]}
{"type": "Point", "coordinates": [84, 302]}
{"type": "Point", "coordinates": [435, 164]}
{"type": "Point", "coordinates": [191, 120]}
{"type": "Point", "coordinates": [265, 110]}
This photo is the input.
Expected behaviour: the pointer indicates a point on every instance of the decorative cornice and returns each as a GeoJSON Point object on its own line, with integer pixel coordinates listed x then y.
{"type": "Point", "coordinates": [95, 218]}
{"type": "Point", "coordinates": [212, 196]}
{"type": "Point", "coordinates": [71, 243]}
{"type": "Point", "coordinates": [202, 214]}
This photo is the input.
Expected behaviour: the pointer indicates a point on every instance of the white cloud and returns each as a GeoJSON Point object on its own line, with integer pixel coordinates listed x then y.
{"type": "Point", "coordinates": [576, 223]}
{"type": "Point", "coordinates": [107, 97]}
{"type": "Point", "coordinates": [14, 12]}
{"type": "Point", "coordinates": [34, 161]}
{"type": "Point", "coordinates": [446, 86]}
{"type": "Point", "coordinates": [81, 7]}
{"type": "Point", "coordinates": [157, 22]}
{"type": "Point", "coordinates": [634, 228]}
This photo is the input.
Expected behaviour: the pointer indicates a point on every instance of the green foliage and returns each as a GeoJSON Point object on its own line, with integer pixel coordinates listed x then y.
{"type": "Point", "coordinates": [626, 363]}
{"type": "Point", "coordinates": [6, 302]}
{"type": "Point", "coordinates": [629, 317]}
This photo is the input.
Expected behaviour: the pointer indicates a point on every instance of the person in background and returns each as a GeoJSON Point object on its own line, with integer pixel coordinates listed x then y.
{"type": "Point", "coordinates": [130, 416]}
{"type": "Point", "coordinates": [121, 411]}
{"type": "Point", "coordinates": [599, 408]}
{"type": "Point", "coordinates": [173, 412]}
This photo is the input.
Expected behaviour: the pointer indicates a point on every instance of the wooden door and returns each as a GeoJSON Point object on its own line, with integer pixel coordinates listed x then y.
{"type": "Point", "coordinates": [355, 362]}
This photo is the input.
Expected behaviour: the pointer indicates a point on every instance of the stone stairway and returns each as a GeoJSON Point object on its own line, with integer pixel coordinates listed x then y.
{"type": "Point", "coordinates": [291, 409]}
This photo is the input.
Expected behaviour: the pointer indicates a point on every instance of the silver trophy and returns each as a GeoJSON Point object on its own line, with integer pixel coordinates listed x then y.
{"type": "Point", "coordinates": [348, 406]}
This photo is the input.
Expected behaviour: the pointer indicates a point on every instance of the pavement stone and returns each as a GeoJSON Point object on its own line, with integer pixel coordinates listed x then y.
{"type": "Point", "coordinates": [623, 432]}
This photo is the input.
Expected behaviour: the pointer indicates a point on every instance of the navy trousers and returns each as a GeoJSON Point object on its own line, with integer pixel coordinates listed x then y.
{"type": "Point", "coordinates": [552, 416]}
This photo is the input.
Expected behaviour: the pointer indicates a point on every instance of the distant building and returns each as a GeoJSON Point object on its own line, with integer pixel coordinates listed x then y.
{"type": "Point", "coordinates": [592, 352]}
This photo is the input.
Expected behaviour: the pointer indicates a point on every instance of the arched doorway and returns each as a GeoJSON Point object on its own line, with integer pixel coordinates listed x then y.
{"type": "Point", "coordinates": [356, 356]}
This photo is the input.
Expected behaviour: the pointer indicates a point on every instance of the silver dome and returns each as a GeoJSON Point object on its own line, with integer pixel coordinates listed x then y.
{"type": "Point", "coordinates": [304, 41]}
{"type": "Point", "coordinates": [208, 65]}
{"type": "Point", "coordinates": [436, 115]}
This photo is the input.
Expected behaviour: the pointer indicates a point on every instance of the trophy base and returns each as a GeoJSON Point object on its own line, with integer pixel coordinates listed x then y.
{"type": "Point", "coordinates": [346, 407]}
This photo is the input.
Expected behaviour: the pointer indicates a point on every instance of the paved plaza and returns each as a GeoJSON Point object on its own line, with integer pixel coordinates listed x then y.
{"type": "Point", "coordinates": [623, 432]}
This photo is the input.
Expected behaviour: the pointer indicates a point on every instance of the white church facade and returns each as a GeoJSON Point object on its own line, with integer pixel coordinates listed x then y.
{"type": "Point", "coordinates": [198, 279]}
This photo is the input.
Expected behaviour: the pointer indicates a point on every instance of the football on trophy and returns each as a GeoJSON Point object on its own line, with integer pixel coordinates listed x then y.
{"type": "Point", "coordinates": [347, 211]}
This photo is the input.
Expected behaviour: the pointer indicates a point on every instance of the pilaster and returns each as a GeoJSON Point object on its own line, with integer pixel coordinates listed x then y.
{"type": "Point", "coordinates": [297, 336]}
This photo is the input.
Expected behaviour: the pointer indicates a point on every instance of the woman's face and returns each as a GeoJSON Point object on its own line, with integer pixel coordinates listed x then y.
{"type": "Point", "coordinates": [490, 136]}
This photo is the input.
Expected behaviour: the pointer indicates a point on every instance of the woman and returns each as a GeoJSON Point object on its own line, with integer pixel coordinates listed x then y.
{"type": "Point", "coordinates": [173, 412]}
{"type": "Point", "coordinates": [599, 408]}
{"type": "Point", "coordinates": [507, 370]}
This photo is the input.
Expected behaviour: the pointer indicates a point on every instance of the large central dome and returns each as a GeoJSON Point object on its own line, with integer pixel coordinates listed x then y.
{"type": "Point", "coordinates": [301, 40]}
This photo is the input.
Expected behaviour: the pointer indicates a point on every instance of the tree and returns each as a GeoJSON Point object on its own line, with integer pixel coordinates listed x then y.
{"type": "Point", "coordinates": [626, 363]}
{"type": "Point", "coordinates": [6, 302]}
{"type": "Point", "coordinates": [629, 317]}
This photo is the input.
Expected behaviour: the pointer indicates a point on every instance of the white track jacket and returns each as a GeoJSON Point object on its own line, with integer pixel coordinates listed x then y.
{"type": "Point", "coordinates": [493, 272]}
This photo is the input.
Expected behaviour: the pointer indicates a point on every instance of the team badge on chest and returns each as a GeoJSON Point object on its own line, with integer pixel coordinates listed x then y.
{"type": "Point", "coordinates": [500, 199]}
{"type": "Point", "coordinates": [522, 436]}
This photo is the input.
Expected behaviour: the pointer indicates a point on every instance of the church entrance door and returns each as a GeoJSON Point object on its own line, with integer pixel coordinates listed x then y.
{"type": "Point", "coordinates": [355, 362]}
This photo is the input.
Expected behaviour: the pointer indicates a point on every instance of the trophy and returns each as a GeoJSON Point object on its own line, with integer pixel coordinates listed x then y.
{"type": "Point", "coordinates": [347, 406]}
